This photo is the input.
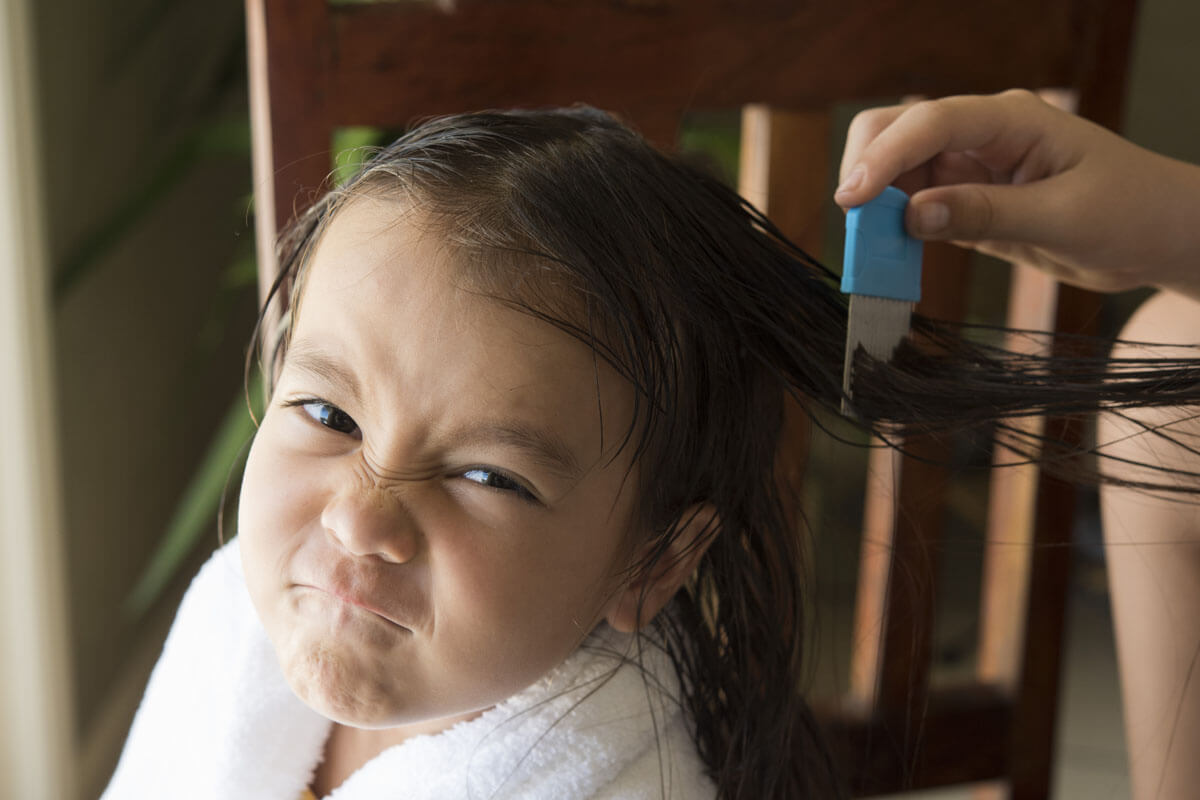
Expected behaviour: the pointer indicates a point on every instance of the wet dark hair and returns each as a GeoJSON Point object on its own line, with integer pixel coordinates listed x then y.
{"type": "Point", "coordinates": [717, 320]}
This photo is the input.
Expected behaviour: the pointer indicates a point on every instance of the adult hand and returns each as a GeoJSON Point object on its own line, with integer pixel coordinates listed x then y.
{"type": "Point", "coordinates": [1014, 177]}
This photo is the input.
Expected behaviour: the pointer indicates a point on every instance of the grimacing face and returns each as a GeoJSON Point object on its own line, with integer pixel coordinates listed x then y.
{"type": "Point", "coordinates": [430, 519]}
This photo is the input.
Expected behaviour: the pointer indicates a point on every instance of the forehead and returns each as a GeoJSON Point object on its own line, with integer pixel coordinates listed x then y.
{"type": "Point", "coordinates": [380, 267]}
{"type": "Point", "coordinates": [387, 297]}
{"type": "Point", "coordinates": [374, 242]}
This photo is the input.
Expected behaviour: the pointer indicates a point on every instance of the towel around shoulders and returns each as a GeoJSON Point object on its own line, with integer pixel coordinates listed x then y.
{"type": "Point", "coordinates": [218, 720]}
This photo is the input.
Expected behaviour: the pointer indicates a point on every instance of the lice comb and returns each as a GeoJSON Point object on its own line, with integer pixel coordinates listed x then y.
{"type": "Point", "coordinates": [881, 272]}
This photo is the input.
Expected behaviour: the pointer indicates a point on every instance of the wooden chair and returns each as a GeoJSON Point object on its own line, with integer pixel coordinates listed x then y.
{"type": "Point", "coordinates": [315, 67]}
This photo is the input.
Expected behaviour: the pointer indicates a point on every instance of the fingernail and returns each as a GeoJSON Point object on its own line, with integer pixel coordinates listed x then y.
{"type": "Point", "coordinates": [852, 181]}
{"type": "Point", "coordinates": [932, 218]}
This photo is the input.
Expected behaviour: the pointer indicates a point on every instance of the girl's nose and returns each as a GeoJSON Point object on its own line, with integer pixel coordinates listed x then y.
{"type": "Point", "coordinates": [372, 523]}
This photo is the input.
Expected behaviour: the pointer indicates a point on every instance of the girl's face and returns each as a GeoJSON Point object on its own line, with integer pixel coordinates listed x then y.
{"type": "Point", "coordinates": [430, 518]}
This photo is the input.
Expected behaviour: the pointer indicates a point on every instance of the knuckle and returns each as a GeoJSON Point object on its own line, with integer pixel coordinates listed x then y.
{"type": "Point", "coordinates": [1021, 97]}
{"type": "Point", "coordinates": [981, 213]}
{"type": "Point", "coordinates": [1019, 94]}
{"type": "Point", "coordinates": [868, 123]}
{"type": "Point", "coordinates": [930, 113]}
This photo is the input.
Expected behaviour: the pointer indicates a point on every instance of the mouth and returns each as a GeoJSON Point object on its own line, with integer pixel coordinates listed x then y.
{"type": "Point", "coordinates": [356, 601]}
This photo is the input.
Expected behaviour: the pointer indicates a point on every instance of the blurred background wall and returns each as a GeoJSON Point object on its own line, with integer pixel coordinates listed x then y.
{"type": "Point", "coordinates": [142, 130]}
{"type": "Point", "coordinates": [145, 153]}
{"type": "Point", "coordinates": [36, 708]}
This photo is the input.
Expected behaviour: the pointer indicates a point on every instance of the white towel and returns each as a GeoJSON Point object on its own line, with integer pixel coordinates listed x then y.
{"type": "Point", "coordinates": [218, 720]}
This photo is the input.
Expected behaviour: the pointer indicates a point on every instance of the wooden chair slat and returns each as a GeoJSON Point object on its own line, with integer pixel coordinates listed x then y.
{"type": "Point", "coordinates": [682, 55]}
{"type": "Point", "coordinates": [784, 160]}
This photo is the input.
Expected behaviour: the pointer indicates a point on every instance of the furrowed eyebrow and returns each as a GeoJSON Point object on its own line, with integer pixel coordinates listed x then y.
{"type": "Point", "coordinates": [543, 446]}
{"type": "Point", "coordinates": [310, 359]}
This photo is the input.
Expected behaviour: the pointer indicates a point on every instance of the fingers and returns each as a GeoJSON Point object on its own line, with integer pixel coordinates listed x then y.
{"type": "Point", "coordinates": [885, 144]}
{"type": "Point", "coordinates": [1011, 173]}
{"type": "Point", "coordinates": [863, 130]}
{"type": "Point", "coordinates": [976, 212]}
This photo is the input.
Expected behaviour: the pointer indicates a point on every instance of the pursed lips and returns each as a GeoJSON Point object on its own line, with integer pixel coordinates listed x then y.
{"type": "Point", "coordinates": [355, 599]}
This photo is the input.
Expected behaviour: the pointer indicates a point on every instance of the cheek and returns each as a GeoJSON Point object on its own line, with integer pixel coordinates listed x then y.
{"type": "Point", "coordinates": [507, 617]}
{"type": "Point", "coordinates": [275, 503]}
{"type": "Point", "coordinates": [540, 583]}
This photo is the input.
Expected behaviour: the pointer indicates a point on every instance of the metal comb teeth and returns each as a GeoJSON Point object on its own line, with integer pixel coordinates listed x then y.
{"type": "Point", "coordinates": [877, 325]}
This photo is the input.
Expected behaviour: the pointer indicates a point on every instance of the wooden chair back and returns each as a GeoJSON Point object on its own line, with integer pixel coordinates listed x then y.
{"type": "Point", "coordinates": [316, 66]}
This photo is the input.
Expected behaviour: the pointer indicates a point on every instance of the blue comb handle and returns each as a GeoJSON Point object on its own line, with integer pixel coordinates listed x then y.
{"type": "Point", "coordinates": [881, 259]}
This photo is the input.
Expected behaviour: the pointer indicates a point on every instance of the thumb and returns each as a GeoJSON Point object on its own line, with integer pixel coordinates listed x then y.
{"type": "Point", "coordinates": [973, 212]}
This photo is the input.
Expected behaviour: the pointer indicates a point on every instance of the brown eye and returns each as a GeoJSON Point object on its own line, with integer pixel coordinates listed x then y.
{"type": "Point", "coordinates": [331, 417]}
{"type": "Point", "coordinates": [494, 479]}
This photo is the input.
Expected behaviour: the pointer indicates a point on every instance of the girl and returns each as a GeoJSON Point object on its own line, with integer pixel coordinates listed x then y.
{"type": "Point", "coordinates": [512, 525]}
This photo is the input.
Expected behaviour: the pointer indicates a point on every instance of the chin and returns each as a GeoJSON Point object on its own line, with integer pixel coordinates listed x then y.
{"type": "Point", "coordinates": [339, 686]}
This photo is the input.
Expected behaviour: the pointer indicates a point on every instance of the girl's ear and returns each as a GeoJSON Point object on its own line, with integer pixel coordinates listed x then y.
{"type": "Point", "coordinates": [654, 589]}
